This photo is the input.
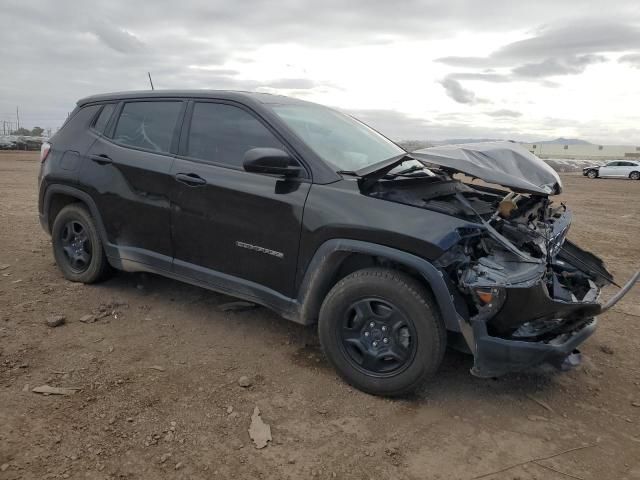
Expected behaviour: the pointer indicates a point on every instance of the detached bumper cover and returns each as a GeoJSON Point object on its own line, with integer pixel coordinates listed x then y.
{"type": "Point", "coordinates": [496, 356]}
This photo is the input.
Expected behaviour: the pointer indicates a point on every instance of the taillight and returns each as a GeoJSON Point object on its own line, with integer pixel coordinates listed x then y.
{"type": "Point", "coordinates": [44, 151]}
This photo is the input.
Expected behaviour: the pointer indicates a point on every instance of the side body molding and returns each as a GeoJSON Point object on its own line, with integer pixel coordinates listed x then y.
{"type": "Point", "coordinates": [328, 258]}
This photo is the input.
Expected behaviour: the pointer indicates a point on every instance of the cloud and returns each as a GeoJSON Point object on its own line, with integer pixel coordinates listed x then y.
{"type": "Point", "coordinates": [458, 93]}
{"type": "Point", "coordinates": [117, 38]}
{"type": "Point", "coordinates": [107, 46]}
{"type": "Point", "coordinates": [504, 113]}
{"type": "Point", "coordinates": [632, 59]}
{"type": "Point", "coordinates": [569, 40]}
{"type": "Point", "coordinates": [557, 66]}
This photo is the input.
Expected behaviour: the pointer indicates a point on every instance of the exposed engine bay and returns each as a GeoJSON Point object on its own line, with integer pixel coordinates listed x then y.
{"type": "Point", "coordinates": [515, 242]}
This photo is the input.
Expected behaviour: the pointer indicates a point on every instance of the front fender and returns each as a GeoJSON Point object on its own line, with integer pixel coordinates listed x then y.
{"type": "Point", "coordinates": [329, 256]}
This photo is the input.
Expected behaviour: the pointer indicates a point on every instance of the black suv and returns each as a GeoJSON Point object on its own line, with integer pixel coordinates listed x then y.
{"type": "Point", "coordinates": [313, 214]}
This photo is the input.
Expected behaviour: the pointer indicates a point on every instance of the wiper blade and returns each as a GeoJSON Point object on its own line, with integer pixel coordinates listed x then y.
{"type": "Point", "coordinates": [413, 168]}
{"type": "Point", "coordinates": [369, 176]}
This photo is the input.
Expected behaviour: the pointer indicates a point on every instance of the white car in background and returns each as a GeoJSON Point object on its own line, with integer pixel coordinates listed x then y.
{"type": "Point", "coordinates": [617, 168]}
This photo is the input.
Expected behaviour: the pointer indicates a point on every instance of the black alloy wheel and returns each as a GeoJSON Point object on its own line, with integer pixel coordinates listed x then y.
{"type": "Point", "coordinates": [377, 338]}
{"type": "Point", "coordinates": [76, 245]}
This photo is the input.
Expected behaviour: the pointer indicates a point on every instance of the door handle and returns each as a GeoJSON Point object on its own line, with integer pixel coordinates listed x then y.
{"type": "Point", "coordinates": [190, 179]}
{"type": "Point", "coordinates": [101, 159]}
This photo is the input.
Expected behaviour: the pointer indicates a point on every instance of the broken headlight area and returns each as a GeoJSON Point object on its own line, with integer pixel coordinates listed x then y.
{"type": "Point", "coordinates": [531, 294]}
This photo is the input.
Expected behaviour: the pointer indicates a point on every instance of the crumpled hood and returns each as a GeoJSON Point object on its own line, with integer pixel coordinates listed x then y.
{"type": "Point", "coordinates": [503, 163]}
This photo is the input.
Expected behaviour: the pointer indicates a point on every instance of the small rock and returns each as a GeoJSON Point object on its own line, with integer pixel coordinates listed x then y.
{"type": "Point", "coordinates": [292, 461]}
{"type": "Point", "coordinates": [536, 418]}
{"type": "Point", "coordinates": [259, 431]}
{"type": "Point", "coordinates": [130, 419]}
{"type": "Point", "coordinates": [48, 390]}
{"type": "Point", "coordinates": [635, 404]}
{"type": "Point", "coordinates": [236, 444]}
{"type": "Point", "coordinates": [178, 466]}
{"type": "Point", "coordinates": [4, 267]}
{"type": "Point", "coordinates": [244, 382]}
{"type": "Point", "coordinates": [606, 349]}
{"type": "Point", "coordinates": [88, 318]}
{"type": "Point", "coordinates": [229, 409]}
{"type": "Point", "coordinates": [164, 457]}
{"type": "Point", "coordinates": [55, 320]}
{"type": "Point", "coordinates": [26, 387]}
{"type": "Point", "coordinates": [233, 415]}
{"type": "Point", "coordinates": [4, 467]}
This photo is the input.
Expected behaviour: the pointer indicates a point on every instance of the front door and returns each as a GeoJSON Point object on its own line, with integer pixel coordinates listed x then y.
{"type": "Point", "coordinates": [611, 169]}
{"type": "Point", "coordinates": [229, 225]}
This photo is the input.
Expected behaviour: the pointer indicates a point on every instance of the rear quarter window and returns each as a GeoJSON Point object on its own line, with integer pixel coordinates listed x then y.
{"type": "Point", "coordinates": [148, 125]}
{"type": "Point", "coordinates": [77, 124]}
{"type": "Point", "coordinates": [103, 118]}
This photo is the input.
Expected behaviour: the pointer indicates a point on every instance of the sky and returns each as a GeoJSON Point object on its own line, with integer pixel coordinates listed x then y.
{"type": "Point", "coordinates": [413, 69]}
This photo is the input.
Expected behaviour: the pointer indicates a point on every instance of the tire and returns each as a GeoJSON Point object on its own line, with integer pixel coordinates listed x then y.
{"type": "Point", "coordinates": [634, 175]}
{"type": "Point", "coordinates": [77, 246]}
{"type": "Point", "coordinates": [353, 317]}
{"type": "Point", "coordinates": [592, 174]}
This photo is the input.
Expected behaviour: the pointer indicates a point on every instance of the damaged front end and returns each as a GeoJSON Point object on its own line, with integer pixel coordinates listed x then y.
{"type": "Point", "coordinates": [525, 295]}
{"type": "Point", "coordinates": [531, 295]}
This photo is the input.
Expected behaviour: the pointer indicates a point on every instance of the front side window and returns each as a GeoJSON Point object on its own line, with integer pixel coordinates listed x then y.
{"type": "Point", "coordinates": [341, 141]}
{"type": "Point", "coordinates": [223, 133]}
{"type": "Point", "coordinates": [148, 125]}
{"type": "Point", "coordinates": [613, 164]}
{"type": "Point", "coordinates": [103, 118]}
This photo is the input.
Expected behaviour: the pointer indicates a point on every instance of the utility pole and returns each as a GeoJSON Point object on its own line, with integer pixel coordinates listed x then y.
{"type": "Point", "coordinates": [18, 117]}
{"type": "Point", "coordinates": [150, 81]}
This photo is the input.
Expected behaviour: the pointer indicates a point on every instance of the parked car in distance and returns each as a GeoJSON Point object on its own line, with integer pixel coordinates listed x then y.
{"type": "Point", "coordinates": [320, 218]}
{"type": "Point", "coordinates": [617, 168]}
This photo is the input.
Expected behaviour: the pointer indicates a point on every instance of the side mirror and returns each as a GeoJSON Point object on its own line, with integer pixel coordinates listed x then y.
{"type": "Point", "coordinates": [272, 161]}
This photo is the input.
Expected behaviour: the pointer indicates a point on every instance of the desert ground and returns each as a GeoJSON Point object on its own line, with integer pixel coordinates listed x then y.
{"type": "Point", "coordinates": [158, 394]}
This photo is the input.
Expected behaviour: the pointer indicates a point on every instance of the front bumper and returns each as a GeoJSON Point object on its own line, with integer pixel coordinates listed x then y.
{"type": "Point", "coordinates": [496, 356]}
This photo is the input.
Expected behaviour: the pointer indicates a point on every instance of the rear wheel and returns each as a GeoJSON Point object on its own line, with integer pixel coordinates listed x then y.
{"type": "Point", "coordinates": [592, 174]}
{"type": "Point", "coordinates": [381, 331]}
{"type": "Point", "coordinates": [634, 175]}
{"type": "Point", "coordinates": [77, 247]}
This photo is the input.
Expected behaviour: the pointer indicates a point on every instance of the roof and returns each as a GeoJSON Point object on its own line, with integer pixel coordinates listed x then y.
{"type": "Point", "coordinates": [217, 94]}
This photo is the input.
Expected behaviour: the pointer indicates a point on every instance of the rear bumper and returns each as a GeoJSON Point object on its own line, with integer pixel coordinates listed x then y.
{"type": "Point", "coordinates": [496, 356]}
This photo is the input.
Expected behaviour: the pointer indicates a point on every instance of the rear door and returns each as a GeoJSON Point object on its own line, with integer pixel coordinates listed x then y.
{"type": "Point", "coordinates": [226, 221]}
{"type": "Point", "coordinates": [128, 174]}
{"type": "Point", "coordinates": [627, 168]}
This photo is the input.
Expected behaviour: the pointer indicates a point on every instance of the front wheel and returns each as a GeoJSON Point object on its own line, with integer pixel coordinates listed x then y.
{"type": "Point", "coordinates": [592, 174]}
{"type": "Point", "coordinates": [382, 331]}
{"type": "Point", "coordinates": [634, 175]}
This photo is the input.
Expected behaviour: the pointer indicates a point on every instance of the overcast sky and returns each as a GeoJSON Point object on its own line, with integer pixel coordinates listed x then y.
{"type": "Point", "coordinates": [417, 69]}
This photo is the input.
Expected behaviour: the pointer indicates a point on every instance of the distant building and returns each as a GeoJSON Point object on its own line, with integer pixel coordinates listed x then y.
{"type": "Point", "coordinates": [583, 151]}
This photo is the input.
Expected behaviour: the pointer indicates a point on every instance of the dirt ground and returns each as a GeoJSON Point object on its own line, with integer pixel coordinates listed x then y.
{"type": "Point", "coordinates": [158, 378]}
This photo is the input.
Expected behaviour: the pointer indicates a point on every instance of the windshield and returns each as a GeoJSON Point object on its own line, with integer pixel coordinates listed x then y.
{"type": "Point", "coordinates": [338, 139]}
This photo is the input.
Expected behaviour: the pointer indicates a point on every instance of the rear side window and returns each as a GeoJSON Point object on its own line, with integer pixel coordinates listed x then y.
{"type": "Point", "coordinates": [103, 118]}
{"type": "Point", "coordinates": [222, 134]}
{"type": "Point", "coordinates": [148, 125]}
{"type": "Point", "coordinates": [76, 124]}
